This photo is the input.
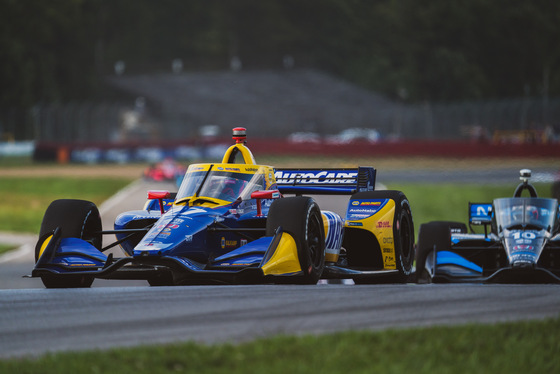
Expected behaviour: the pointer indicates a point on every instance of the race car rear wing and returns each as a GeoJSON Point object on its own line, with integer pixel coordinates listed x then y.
{"type": "Point", "coordinates": [325, 181]}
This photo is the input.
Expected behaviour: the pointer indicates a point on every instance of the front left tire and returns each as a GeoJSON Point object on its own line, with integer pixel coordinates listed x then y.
{"type": "Point", "coordinates": [301, 217]}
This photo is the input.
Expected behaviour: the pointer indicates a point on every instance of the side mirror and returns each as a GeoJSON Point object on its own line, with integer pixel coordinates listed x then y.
{"type": "Point", "coordinates": [159, 195]}
{"type": "Point", "coordinates": [267, 194]}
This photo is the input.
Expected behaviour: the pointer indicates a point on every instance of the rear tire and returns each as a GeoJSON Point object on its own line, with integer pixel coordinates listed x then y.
{"type": "Point", "coordinates": [433, 236]}
{"type": "Point", "coordinates": [77, 219]}
{"type": "Point", "coordinates": [403, 234]}
{"type": "Point", "coordinates": [301, 217]}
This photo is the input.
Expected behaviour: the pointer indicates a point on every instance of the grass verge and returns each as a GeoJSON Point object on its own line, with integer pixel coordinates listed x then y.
{"type": "Point", "coordinates": [25, 199]}
{"type": "Point", "coordinates": [521, 347]}
{"type": "Point", "coordinates": [6, 247]}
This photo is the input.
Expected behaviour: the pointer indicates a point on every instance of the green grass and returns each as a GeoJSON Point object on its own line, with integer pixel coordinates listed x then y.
{"type": "Point", "coordinates": [522, 347]}
{"type": "Point", "coordinates": [13, 162]}
{"type": "Point", "coordinates": [6, 247]}
{"type": "Point", "coordinates": [25, 199]}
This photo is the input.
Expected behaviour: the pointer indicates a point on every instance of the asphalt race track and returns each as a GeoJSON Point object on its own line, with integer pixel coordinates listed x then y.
{"type": "Point", "coordinates": [35, 320]}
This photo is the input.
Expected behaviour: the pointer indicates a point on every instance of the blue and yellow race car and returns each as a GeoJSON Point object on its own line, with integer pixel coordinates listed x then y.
{"type": "Point", "coordinates": [231, 222]}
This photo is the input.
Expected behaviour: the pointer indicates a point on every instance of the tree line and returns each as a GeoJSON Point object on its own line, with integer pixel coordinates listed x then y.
{"type": "Point", "coordinates": [410, 50]}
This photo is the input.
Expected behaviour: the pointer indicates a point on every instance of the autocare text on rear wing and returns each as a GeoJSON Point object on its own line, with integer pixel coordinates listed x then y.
{"type": "Point", "coordinates": [325, 181]}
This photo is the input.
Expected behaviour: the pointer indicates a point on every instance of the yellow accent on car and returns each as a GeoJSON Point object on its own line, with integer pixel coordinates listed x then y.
{"type": "Point", "coordinates": [381, 225]}
{"type": "Point", "coordinates": [44, 245]}
{"type": "Point", "coordinates": [285, 258]}
{"type": "Point", "coordinates": [331, 257]}
{"type": "Point", "coordinates": [245, 152]}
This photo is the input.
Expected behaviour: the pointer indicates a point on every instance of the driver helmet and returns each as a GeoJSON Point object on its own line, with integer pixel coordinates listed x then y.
{"type": "Point", "coordinates": [532, 212]}
{"type": "Point", "coordinates": [233, 187]}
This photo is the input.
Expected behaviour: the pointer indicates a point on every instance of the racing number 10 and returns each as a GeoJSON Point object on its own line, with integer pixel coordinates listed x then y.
{"type": "Point", "coordinates": [524, 235]}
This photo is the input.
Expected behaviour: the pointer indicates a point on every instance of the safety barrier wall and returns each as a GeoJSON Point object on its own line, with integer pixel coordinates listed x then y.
{"type": "Point", "coordinates": [191, 151]}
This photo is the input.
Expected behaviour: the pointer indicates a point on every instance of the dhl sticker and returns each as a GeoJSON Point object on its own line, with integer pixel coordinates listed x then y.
{"type": "Point", "coordinates": [383, 225]}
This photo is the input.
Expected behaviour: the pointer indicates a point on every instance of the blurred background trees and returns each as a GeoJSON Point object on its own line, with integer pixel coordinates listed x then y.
{"type": "Point", "coordinates": [410, 50]}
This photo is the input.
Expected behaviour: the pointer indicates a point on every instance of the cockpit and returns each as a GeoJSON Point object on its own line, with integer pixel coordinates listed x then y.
{"type": "Point", "coordinates": [219, 182]}
{"type": "Point", "coordinates": [525, 213]}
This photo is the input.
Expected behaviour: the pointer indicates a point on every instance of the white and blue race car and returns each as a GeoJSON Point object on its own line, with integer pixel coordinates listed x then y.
{"type": "Point", "coordinates": [231, 222]}
{"type": "Point", "coordinates": [520, 243]}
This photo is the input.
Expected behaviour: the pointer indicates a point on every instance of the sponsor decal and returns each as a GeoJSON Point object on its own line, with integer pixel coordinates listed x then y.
{"type": "Point", "coordinates": [369, 207]}
{"type": "Point", "coordinates": [387, 240]}
{"type": "Point", "coordinates": [333, 232]}
{"type": "Point", "coordinates": [383, 225]}
{"type": "Point", "coordinates": [359, 216]}
{"type": "Point", "coordinates": [523, 248]}
{"type": "Point", "coordinates": [228, 243]}
{"type": "Point", "coordinates": [354, 224]}
{"type": "Point", "coordinates": [389, 261]}
{"type": "Point", "coordinates": [243, 242]}
{"type": "Point", "coordinates": [358, 210]}
{"type": "Point", "coordinates": [188, 238]}
{"type": "Point", "coordinates": [387, 250]}
{"type": "Point", "coordinates": [524, 257]}
{"type": "Point", "coordinates": [316, 177]}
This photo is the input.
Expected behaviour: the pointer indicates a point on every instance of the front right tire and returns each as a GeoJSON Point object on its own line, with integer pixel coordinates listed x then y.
{"type": "Point", "coordinates": [433, 237]}
{"type": "Point", "coordinates": [76, 219]}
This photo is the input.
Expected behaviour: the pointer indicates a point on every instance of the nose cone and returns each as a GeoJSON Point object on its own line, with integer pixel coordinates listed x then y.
{"type": "Point", "coordinates": [177, 233]}
{"type": "Point", "coordinates": [523, 252]}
